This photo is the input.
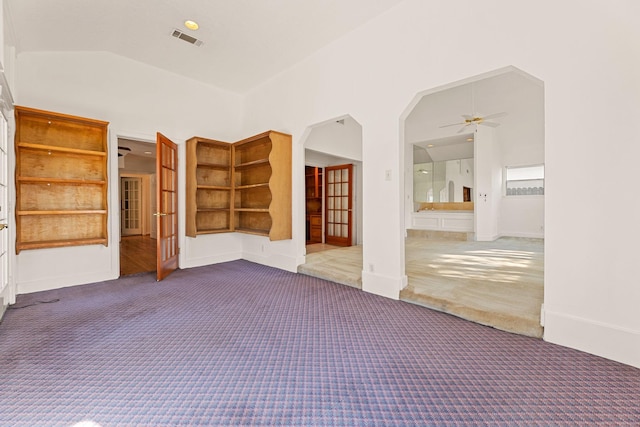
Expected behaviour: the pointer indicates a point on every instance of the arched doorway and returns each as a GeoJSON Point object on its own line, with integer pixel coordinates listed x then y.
{"type": "Point", "coordinates": [481, 258]}
{"type": "Point", "coordinates": [333, 200]}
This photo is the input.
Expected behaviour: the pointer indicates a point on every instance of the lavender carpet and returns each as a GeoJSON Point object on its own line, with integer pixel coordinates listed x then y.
{"type": "Point", "coordinates": [243, 344]}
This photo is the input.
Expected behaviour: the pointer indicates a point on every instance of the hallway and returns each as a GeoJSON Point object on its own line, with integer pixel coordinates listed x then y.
{"type": "Point", "coordinates": [137, 255]}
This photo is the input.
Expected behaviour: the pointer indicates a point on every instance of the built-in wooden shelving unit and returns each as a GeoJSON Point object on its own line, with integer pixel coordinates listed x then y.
{"type": "Point", "coordinates": [61, 180]}
{"type": "Point", "coordinates": [243, 187]}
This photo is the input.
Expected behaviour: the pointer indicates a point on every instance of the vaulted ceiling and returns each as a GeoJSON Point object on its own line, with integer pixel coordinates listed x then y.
{"type": "Point", "coordinates": [245, 42]}
{"type": "Point", "coordinates": [430, 125]}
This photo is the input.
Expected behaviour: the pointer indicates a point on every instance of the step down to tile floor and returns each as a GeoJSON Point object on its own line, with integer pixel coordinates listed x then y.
{"type": "Point", "coordinates": [441, 235]}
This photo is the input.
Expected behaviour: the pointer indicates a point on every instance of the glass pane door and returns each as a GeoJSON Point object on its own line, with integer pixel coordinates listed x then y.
{"type": "Point", "coordinates": [131, 189]}
{"type": "Point", "coordinates": [338, 205]}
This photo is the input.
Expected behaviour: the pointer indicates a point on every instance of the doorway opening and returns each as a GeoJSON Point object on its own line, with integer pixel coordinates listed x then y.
{"type": "Point", "coordinates": [333, 200]}
{"type": "Point", "coordinates": [471, 249]}
{"type": "Point", "coordinates": [137, 197]}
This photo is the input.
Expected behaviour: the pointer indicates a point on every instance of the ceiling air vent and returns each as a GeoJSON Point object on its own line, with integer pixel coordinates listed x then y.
{"type": "Point", "coordinates": [186, 37]}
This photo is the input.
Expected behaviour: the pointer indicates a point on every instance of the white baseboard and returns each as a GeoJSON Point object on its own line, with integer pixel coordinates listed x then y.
{"type": "Point", "coordinates": [49, 283]}
{"type": "Point", "coordinates": [283, 262]}
{"type": "Point", "coordinates": [208, 260]}
{"type": "Point", "coordinates": [523, 235]}
{"type": "Point", "coordinates": [385, 286]}
{"type": "Point", "coordinates": [601, 339]}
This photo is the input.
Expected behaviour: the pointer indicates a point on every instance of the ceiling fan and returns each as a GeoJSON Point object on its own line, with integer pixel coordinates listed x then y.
{"type": "Point", "coordinates": [123, 151]}
{"type": "Point", "coordinates": [476, 119]}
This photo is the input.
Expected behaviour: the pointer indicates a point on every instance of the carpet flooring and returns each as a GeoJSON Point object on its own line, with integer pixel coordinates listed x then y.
{"type": "Point", "coordinates": [243, 344]}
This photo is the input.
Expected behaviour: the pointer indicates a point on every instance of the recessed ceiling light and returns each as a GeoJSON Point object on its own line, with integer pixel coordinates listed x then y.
{"type": "Point", "coordinates": [430, 145]}
{"type": "Point", "coordinates": [147, 152]}
{"type": "Point", "coordinates": [192, 25]}
{"type": "Point", "coordinates": [470, 139]}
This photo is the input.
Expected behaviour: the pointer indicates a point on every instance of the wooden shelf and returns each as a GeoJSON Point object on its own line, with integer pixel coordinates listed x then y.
{"type": "Point", "coordinates": [61, 180]}
{"type": "Point", "coordinates": [62, 243]}
{"type": "Point", "coordinates": [251, 210]}
{"type": "Point", "coordinates": [213, 210]}
{"type": "Point", "coordinates": [209, 189]}
{"type": "Point", "coordinates": [247, 187]}
{"type": "Point", "coordinates": [212, 166]}
{"type": "Point", "coordinates": [35, 179]}
{"type": "Point", "coordinates": [213, 231]}
{"type": "Point", "coordinates": [58, 149]}
{"type": "Point", "coordinates": [256, 175]}
{"type": "Point", "coordinates": [63, 212]}
{"type": "Point", "coordinates": [255, 231]}
{"type": "Point", "coordinates": [213, 187]}
{"type": "Point", "coordinates": [262, 174]}
{"type": "Point", "coordinates": [253, 164]}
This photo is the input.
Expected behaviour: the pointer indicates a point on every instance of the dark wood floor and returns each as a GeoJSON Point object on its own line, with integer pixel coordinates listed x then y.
{"type": "Point", "coordinates": [137, 255]}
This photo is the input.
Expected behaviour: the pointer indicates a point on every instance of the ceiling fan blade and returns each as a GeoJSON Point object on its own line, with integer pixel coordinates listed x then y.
{"type": "Point", "coordinates": [494, 116]}
{"type": "Point", "coordinates": [463, 128]}
{"type": "Point", "coordinates": [467, 117]}
{"type": "Point", "coordinates": [452, 124]}
{"type": "Point", "coordinates": [490, 124]}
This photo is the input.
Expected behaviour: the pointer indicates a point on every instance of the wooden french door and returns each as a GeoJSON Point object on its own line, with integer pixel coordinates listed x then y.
{"type": "Point", "coordinates": [131, 206]}
{"type": "Point", "coordinates": [166, 206]}
{"type": "Point", "coordinates": [338, 204]}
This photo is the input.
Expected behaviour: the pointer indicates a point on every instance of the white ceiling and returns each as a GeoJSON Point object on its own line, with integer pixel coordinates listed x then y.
{"type": "Point", "coordinates": [509, 91]}
{"type": "Point", "coordinates": [246, 42]}
{"type": "Point", "coordinates": [136, 148]}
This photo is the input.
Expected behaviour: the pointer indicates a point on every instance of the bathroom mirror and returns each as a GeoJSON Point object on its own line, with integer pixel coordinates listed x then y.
{"type": "Point", "coordinates": [443, 181]}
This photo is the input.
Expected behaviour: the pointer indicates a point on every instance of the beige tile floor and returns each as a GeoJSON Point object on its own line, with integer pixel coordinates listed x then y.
{"type": "Point", "coordinates": [498, 284]}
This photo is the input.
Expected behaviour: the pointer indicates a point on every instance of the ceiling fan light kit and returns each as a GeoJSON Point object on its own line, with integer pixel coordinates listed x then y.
{"type": "Point", "coordinates": [477, 119]}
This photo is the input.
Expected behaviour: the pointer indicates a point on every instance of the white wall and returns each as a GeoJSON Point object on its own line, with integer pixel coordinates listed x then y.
{"type": "Point", "coordinates": [138, 164]}
{"type": "Point", "coordinates": [584, 52]}
{"type": "Point", "coordinates": [591, 67]}
{"type": "Point", "coordinates": [522, 216]}
{"type": "Point", "coordinates": [487, 184]}
{"type": "Point", "coordinates": [138, 101]}
{"type": "Point", "coordinates": [341, 140]}
{"type": "Point", "coordinates": [523, 145]}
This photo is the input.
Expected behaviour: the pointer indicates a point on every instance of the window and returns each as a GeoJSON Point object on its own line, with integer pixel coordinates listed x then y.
{"type": "Point", "coordinates": [525, 180]}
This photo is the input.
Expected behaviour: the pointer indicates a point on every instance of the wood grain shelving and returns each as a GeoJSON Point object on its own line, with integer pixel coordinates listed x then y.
{"type": "Point", "coordinates": [258, 186]}
{"type": "Point", "coordinates": [61, 180]}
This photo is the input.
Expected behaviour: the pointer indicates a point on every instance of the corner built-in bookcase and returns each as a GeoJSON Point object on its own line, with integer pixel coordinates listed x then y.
{"type": "Point", "coordinates": [243, 187]}
{"type": "Point", "coordinates": [208, 186]}
{"type": "Point", "coordinates": [61, 180]}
